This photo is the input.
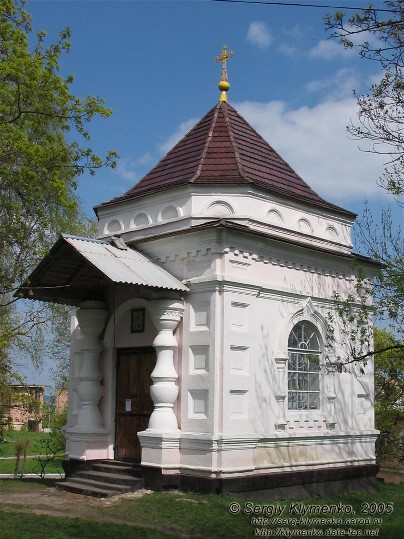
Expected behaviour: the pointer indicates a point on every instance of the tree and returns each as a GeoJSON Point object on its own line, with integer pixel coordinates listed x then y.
{"type": "Point", "coordinates": [378, 36]}
{"type": "Point", "coordinates": [52, 445]}
{"type": "Point", "coordinates": [389, 398]}
{"type": "Point", "coordinates": [381, 116]}
{"type": "Point", "coordinates": [43, 151]}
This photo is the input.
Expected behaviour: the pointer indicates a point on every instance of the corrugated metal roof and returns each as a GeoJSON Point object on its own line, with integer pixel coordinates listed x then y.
{"type": "Point", "coordinates": [125, 266]}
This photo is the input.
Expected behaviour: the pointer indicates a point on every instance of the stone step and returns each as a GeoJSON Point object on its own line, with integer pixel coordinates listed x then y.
{"type": "Point", "coordinates": [112, 478]}
{"type": "Point", "coordinates": [117, 488]}
{"type": "Point", "coordinates": [80, 488]}
{"type": "Point", "coordinates": [106, 478]}
{"type": "Point", "coordinates": [121, 463]}
{"type": "Point", "coordinates": [117, 468]}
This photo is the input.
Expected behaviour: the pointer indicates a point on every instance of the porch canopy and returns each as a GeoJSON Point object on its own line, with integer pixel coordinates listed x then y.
{"type": "Point", "coordinates": [77, 269]}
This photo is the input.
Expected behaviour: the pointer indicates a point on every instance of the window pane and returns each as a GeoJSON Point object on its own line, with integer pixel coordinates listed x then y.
{"type": "Point", "coordinates": [303, 363]}
{"type": "Point", "coordinates": [314, 382]}
{"type": "Point", "coordinates": [292, 401]}
{"type": "Point", "coordinates": [293, 342]}
{"type": "Point", "coordinates": [313, 343]}
{"type": "Point", "coordinates": [292, 380]}
{"type": "Point", "coordinates": [314, 362]}
{"type": "Point", "coordinates": [302, 401]}
{"type": "Point", "coordinates": [292, 362]}
{"type": "Point", "coordinates": [314, 401]}
{"type": "Point", "coordinates": [303, 381]}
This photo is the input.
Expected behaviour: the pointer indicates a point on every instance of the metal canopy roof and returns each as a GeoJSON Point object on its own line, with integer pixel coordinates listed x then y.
{"type": "Point", "coordinates": [77, 269]}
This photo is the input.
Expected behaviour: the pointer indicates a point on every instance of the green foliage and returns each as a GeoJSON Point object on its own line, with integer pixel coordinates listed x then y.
{"type": "Point", "coordinates": [389, 397]}
{"type": "Point", "coordinates": [378, 37]}
{"type": "Point", "coordinates": [53, 445]}
{"type": "Point", "coordinates": [352, 320]}
{"type": "Point", "coordinates": [383, 241]}
{"type": "Point", "coordinates": [380, 116]}
{"type": "Point", "coordinates": [43, 151]}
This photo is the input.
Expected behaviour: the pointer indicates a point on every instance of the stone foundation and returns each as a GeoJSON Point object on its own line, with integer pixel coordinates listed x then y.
{"type": "Point", "coordinates": [319, 482]}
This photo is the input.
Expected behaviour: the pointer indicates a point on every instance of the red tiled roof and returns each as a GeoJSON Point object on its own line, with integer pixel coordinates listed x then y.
{"type": "Point", "coordinates": [223, 148]}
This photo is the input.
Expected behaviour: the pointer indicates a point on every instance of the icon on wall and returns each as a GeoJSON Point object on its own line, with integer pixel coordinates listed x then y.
{"type": "Point", "coordinates": [137, 321]}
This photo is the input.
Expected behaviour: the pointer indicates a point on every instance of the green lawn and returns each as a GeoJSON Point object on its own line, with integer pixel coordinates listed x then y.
{"type": "Point", "coordinates": [7, 466]}
{"type": "Point", "coordinates": [7, 448]}
{"type": "Point", "coordinates": [38, 527]}
{"type": "Point", "coordinates": [175, 514]}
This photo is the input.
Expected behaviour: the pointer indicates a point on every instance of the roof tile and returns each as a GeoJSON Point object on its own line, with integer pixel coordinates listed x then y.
{"type": "Point", "coordinates": [222, 148]}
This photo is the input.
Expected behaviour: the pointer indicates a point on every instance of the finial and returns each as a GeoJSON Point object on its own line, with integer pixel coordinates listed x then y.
{"type": "Point", "coordinates": [224, 83]}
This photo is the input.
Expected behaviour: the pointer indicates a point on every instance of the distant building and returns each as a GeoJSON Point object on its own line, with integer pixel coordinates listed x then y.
{"type": "Point", "coordinates": [25, 407]}
{"type": "Point", "coordinates": [61, 399]}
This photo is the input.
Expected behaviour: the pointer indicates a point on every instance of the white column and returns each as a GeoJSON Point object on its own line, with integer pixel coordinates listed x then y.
{"type": "Point", "coordinates": [280, 391]}
{"type": "Point", "coordinates": [165, 315]}
{"type": "Point", "coordinates": [91, 316]}
{"type": "Point", "coordinates": [331, 370]}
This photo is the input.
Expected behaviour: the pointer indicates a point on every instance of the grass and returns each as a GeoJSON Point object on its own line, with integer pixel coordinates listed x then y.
{"type": "Point", "coordinates": [175, 514]}
{"type": "Point", "coordinates": [7, 448]}
{"type": "Point", "coordinates": [24, 485]}
{"type": "Point", "coordinates": [7, 466]}
{"type": "Point", "coordinates": [38, 527]}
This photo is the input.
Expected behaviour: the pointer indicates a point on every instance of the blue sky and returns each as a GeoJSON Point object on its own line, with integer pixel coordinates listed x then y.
{"type": "Point", "coordinates": [154, 64]}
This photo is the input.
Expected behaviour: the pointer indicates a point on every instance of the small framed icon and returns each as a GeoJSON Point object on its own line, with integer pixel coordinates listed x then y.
{"type": "Point", "coordinates": [137, 321]}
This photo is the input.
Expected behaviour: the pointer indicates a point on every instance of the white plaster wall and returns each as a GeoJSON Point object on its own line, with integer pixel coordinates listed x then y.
{"type": "Point", "coordinates": [246, 294]}
{"type": "Point", "coordinates": [200, 364]}
{"type": "Point", "coordinates": [179, 208]}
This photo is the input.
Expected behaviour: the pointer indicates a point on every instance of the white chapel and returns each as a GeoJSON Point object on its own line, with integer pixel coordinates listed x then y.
{"type": "Point", "coordinates": [199, 343]}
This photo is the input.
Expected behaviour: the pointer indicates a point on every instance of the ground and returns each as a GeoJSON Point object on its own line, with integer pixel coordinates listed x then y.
{"type": "Point", "coordinates": [53, 502]}
{"type": "Point", "coordinates": [34, 509]}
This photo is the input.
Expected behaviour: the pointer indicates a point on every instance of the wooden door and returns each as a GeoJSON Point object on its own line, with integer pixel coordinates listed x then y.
{"type": "Point", "coordinates": [133, 402]}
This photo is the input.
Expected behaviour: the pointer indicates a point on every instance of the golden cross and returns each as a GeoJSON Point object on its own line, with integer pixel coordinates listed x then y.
{"type": "Point", "coordinates": [223, 57]}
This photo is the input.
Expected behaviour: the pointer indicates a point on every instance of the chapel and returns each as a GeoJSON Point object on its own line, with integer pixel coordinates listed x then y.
{"type": "Point", "coordinates": [200, 342]}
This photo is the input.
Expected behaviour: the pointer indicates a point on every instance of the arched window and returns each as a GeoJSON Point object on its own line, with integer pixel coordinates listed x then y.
{"type": "Point", "coordinates": [304, 367]}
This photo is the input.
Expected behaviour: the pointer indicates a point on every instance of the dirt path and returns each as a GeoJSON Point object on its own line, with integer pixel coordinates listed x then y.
{"type": "Point", "coordinates": [53, 502]}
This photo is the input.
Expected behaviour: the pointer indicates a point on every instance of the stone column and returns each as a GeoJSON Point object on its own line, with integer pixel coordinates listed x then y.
{"type": "Point", "coordinates": [165, 314]}
{"type": "Point", "coordinates": [91, 316]}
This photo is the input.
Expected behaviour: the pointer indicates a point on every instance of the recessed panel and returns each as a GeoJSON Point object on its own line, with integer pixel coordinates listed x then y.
{"type": "Point", "coordinates": [200, 315]}
{"type": "Point", "coordinates": [239, 315]}
{"type": "Point", "coordinates": [239, 404]}
{"type": "Point", "coordinates": [198, 359]}
{"type": "Point", "coordinates": [198, 403]}
{"type": "Point", "coordinates": [239, 359]}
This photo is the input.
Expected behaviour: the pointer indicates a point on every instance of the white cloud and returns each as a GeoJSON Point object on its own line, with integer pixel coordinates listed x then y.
{"type": "Point", "coordinates": [339, 86]}
{"type": "Point", "coordinates": [175, 137]}
{"type": "Point", "coordinates": [259, 34]}
{"type": "Point", "coordinates": [125, 169]}
{"type": "Point", "coordinates": [287, 50]}
{"type": "Point", "coordinates": [145, 159]}
{"type": "Point", "coordinates": [315, 143]}
{"type": "Point", "coordinates": [327, 50]}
